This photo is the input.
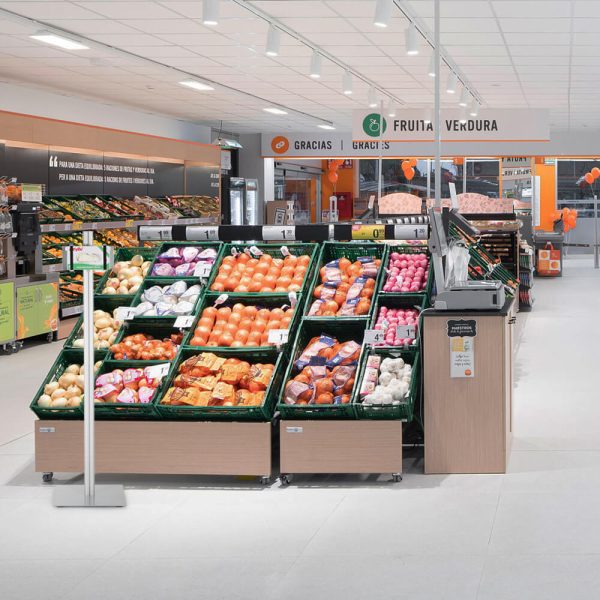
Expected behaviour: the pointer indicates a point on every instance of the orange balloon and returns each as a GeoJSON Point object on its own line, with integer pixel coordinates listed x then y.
{"type": "Point", "coordinates": [409, 173]}
{"type": "Point", "coordinates": [589, 178]}
{"type": "Point", "coordinates": [332, 176]}
{"type": "Point", "coordinates": [339, 161]}
{"type": "Point", "coordinates": [595, 172]}
{"type": "Point", "coordinates": [333, 168]}
{"type": "Point", "coordinates": [413, 162]}
{"type": "Point", "coordinates": [405, 164]}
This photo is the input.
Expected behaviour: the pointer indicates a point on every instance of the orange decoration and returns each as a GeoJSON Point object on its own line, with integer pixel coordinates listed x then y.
{"type": "Point", "coordinates": [589, 178]}
{"type": "Point", "coordinates": [332, 176]}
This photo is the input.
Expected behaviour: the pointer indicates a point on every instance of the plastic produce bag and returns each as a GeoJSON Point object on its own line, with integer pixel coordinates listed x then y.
{"type": "Point", "coordinates": [457, 263]}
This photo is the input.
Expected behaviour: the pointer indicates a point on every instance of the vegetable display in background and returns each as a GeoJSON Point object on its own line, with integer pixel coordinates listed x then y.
{"type": "Point", "coordinates": [244, 273]}
{"type": "Point", "coordinates": [407, 273]}
{"type": "Point", "coordinates": [142, 346]}
{"type": "Point", "coordinates": [182, 261]}
{"type": "Point", "coordinates": [126, 276]}
{"type": "Point", "coordinates": [67, 390]}
{"type": "Point", "coordinates": [346, 288]}
{"type": "Point", "coordinates": [239, 325]}
{"type": "Point", "coordinates": [175, 299]}
{"type": "Point", "coordinates": [389, 319]}
{"type": "Point", "coordinates": [131, 386]}
{"type": "Point", "coordinates": [210, 380]}
{"type": "Point", "coordinates": [326, 370]}
{"type": "Point", "coordinates": [385, 382]}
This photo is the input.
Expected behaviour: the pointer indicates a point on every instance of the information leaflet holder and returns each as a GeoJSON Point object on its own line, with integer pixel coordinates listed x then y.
{"type": "Point", "coordinates": [88, 258]}
{"type": "Point", "coordinates": [463, 295]}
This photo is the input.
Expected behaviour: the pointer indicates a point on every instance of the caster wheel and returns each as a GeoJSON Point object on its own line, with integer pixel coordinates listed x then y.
{"type": "Point", "coordinates": [397, 477]}
{"type": "Point", "coordinates": [265, 480]}
{"type": "Point", "coordinates": [50, 337]}
{"type": "Point", "coordinates": [47, 477]}
{"type": "Point", "coordinates": [285, 480]}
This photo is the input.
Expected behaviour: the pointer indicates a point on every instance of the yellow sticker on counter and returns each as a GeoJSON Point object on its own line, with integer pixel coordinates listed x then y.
{"type": "Point", "coordinates": [368, 232]}
{"type": "Point", "coordinates": [129, 223]}
{"type": "Point", "coordinates": [77, 225]}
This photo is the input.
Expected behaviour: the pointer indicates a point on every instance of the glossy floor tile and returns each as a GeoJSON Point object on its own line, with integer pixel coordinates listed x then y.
{"type": "Point", "coordinates": [532, 534]}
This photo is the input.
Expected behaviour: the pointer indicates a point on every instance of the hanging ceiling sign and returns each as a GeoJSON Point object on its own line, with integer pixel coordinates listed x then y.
{"type": "Point", "coordinates": [499, 125]}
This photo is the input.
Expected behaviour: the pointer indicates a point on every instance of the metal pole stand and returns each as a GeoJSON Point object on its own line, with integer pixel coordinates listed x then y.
{"type": "Point", "coordinates": [89, 494]}
{"type": "Point", "coordinates": [596, 261]}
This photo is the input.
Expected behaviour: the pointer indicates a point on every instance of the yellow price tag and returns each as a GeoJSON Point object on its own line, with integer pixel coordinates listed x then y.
{"type": "Point", "coordinates": [77, 225]}
{"type": "Point", "coordinates": [368, 232]}
{"type": "Point", "coordinates": [128, 223]}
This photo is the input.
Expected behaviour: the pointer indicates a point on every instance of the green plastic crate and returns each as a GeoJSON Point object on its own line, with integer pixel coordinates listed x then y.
{"type": "Point", "coordinates": [269, 301]}
{"type": "Point", "coordinates": [218, 246]}
{"type": "Point", "coordinates": [157, 328]}
{"type": "Point", "coordinates": [417, 301]}
{"type": "Point", "coordinates": [274, 250]}
{"type": "Point", "coordinates": [118, 410]}
{"type": "Point", "coordinates": [65, 358]}
{"type": "Point", "coordinates": [105, 303]}
{"type": "Point", "coordinates": [408, 249]}
{"type": "Point", "coordinates": [163, 282]}
{"type": "Point", "coordinates": [124, 254]}
{"type": "Point", "coordinates": [228, 413]}
{"type": "Point", "coordinates": [352, 251]}
{"type": "Point", "coordinates": [403, 411]}
{"type": "Point", "coordinates": [344, 331]}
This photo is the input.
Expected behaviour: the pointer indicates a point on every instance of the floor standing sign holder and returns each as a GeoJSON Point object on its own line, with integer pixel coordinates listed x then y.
{"type": "Point", "coordinates": [88, 258]}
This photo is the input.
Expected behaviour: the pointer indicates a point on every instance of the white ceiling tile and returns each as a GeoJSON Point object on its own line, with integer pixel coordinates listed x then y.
{"type": "Point", "coordinates": [49, 10]}
{"type": "Point", "coordinates": [120, 40]}
{"type": "Point", "coordinates": [533, 25]}
{"type": "Point", "coordinates": [90, 26]}
{"type": "Point", "coordinates": [586, 9]}
{"type": "Point", "coordinates": [122, 10]}
{"type": "Point", "coordinates": [532, 8]}
{"type": "Point", "coordinates": [538, 39]}
{"type": "Point", "coordinates": [297, 8]}
{"type": "Point", "coordinates": [167, 26]}
{"type": "Point", "coordinates": [473, 39]}
{"type": "Point", "coordinates": [452, 9]}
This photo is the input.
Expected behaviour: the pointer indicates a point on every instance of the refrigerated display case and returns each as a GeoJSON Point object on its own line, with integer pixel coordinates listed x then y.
{"type": "Point", "coordinates": [244, 202]}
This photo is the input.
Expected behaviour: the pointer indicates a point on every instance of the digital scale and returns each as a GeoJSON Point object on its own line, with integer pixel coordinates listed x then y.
{"type": "Point", "coordinates": [465, 295]}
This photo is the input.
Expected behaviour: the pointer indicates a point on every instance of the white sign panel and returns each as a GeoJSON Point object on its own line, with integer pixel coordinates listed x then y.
{"type": "Point", "coordinates": [411, 125]}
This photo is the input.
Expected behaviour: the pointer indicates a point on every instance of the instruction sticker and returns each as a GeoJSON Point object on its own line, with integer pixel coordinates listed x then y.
{"type": "Point", "coordinates": [461, 334]}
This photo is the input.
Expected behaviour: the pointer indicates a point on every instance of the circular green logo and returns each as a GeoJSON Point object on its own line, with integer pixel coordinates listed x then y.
{"type": "Point", "coordinates": [371, 124]}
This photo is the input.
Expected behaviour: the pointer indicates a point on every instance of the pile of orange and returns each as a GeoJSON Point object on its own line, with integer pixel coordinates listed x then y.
{"type": "Point", "coordinates": [242, 273]}
{"type": "Point", "coordinates": [239, 325]}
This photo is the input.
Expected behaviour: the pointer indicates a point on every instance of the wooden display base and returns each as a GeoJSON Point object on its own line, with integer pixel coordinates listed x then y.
{"type": "Point", "coordinates": [341, 447]}
{"type": "Point", "coordinates": [157, 447]}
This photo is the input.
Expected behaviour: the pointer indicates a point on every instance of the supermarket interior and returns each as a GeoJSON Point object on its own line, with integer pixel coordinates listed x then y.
{"type": "Point", "coordinates": [279, 282]}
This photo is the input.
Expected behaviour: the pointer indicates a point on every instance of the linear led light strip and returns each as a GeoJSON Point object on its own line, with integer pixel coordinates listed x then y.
{"type": "Point", "coordinates": [273, 50]}
{"type": "Point", "coordinates": [191, 80]}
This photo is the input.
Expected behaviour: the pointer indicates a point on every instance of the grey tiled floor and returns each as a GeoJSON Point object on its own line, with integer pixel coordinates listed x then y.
{"type": "Point", "coordinates": [531, 534]}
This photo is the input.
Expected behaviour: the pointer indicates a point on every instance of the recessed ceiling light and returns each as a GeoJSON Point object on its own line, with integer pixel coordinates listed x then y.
{"type": "Point", "coordinates": [273, 41]}
{"type": "Point", "coordinates": [58, 40]}
{"type": "Point", "coordinates": [315, 65]}
{"type": "Point", "coordinates": [452, 81]}
{"type": "Point", "coordinates": [210, 12]}
{"type": "Point", "coordinates": [197, 85]}
{"type": "Point", "coordinates": [347, 83]}
{"type": "Point", "coordinates": [275, 111]}
{"type": "Point", "coordinates": [383, 13]}
{"type": "Point", "coordinates": [327, 127]}
{"type": "Point", "coordinates": [412, 40]}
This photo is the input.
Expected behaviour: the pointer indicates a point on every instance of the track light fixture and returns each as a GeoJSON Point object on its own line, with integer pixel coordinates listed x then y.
{"type": "Point", "coordinates": [383, 13]}
{"type": "Point", "coordinates": [452, 82]}
{"type": "Point", "coordinates": [210, 12]}
{"type": "Point", "coordinates": [347, 83]}
{"type": "Point", "coordinates": [412, 40]}
{"type": "Point", "coordinates": [315, 65]}
{"type": "Point", "coordinates": [273, 41]}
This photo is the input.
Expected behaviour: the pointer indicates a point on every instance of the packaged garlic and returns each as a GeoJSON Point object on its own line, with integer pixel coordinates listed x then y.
{"type": "Point", "coordinates": [369, 380]}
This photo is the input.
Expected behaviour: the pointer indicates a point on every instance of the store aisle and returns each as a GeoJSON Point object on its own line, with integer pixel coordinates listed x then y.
{"type": "Point", "coordinates": [533, 533]}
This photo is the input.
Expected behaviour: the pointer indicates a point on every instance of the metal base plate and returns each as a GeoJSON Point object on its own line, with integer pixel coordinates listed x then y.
{"type": "Point", "coordinates": [105, 496]}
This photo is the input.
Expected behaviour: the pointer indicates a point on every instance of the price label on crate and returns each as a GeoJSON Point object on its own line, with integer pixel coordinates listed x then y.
{"type": "Point", "coordinates": [411, 232]}
{"type": "Point", "coordinates": [368, 232]}
{"type": "Point", "coordinates": [202, 270]}
{"type": "Point", "coordinates": [275, 233]}
{"type": "Point", "coordinates": [158, 371]}
{"type": "Point", "coordinates": [129, 223]}
{"type": "Point", "coordinates": [406, 331]}
{"type": "Point", "coordinates": [184, 322]}
{"type": "Point", "coordinates": [124, 313]}
{"type": "Point", "coordinates": [374, 336]}
{"type": "Point", "coordinates": [278, 336]}
{"type": "Point", "coordinates": [198, 233]}
{"type": "Point", "coordinates": [77, 225]}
